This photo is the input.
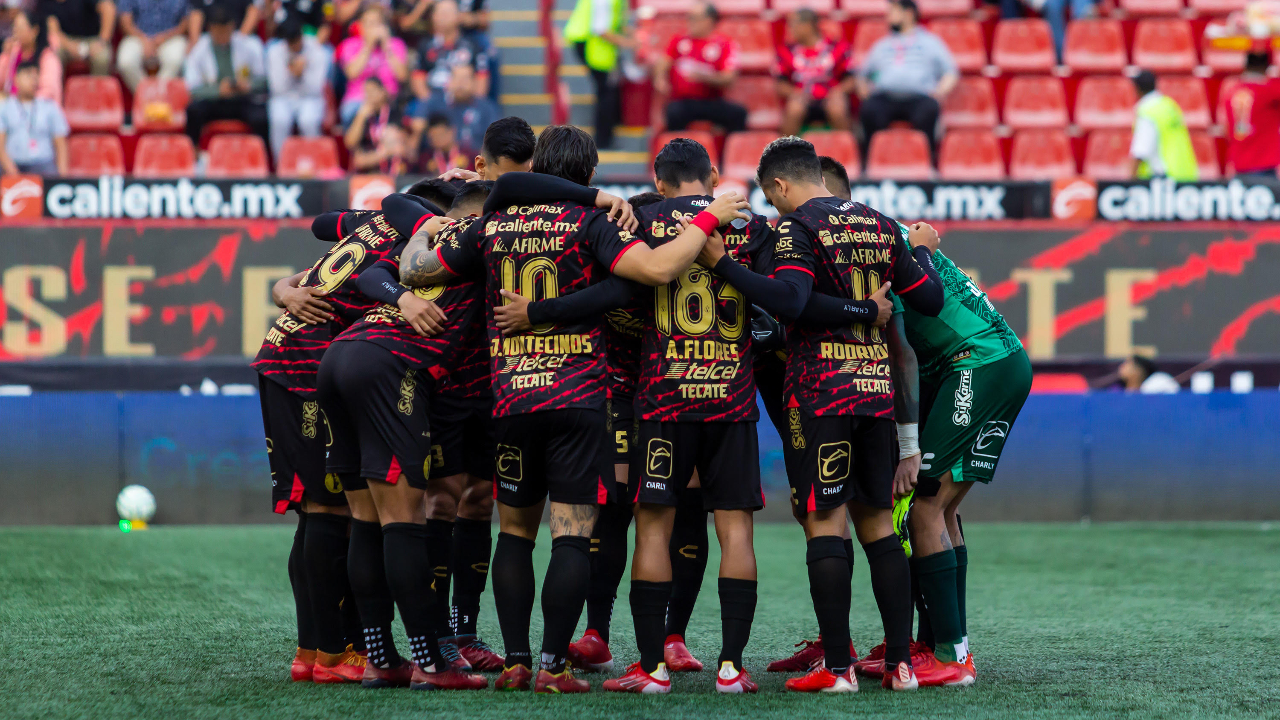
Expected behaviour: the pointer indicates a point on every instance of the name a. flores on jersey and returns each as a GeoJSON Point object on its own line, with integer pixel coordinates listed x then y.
{"type": "Point", "coordinates": [508, 465]}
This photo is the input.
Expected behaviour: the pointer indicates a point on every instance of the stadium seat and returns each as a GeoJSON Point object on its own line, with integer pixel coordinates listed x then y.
{"type": "Point", "coordinates": [1106, 155]}
{"type": "Point", "coordinates": [93, 103]}
{"type": "Point", "coordinates": [742, 152]}
{"type": "Point", "coordinates": [865, 8]}
{"type": "Point", "coordinates": [1206, 155]}
{"type": "Point", "coordinates": [970, 156]}
{"type": "Point", "coordinates": [755, 42]}
{"type": "Point", "coordinates": [702, 137]}
{"type": "Point", "coordinates": [1105, 101]}
{"type": "Point", "coordinates": [838, 144]}
{"type": "Point", "coordinates": [237, 156]}
{"type": "Point", "coordinates": [1041, 155]}
{"type": "Point", "coordinates": [1023, 45]}
{"type": "Point", "coordinates": [759, 95]}
{"type": "Point", "coordinates": [1188, 91]}
{"type": "Point", "coordinates": [864, 36]}
{"type": "Point", "coordinates": [94, 154]}
{"type": "Point", "coordinates": [963, 37]}
{"type": "Point", "coordinates": [164, 155]}
{"type": "Point", "coordinates": [654, 35]}
{"type": "Point", "coordinates": [160, 105]}
{"type": "Point", "coordinates": [1164, 45]}
{"type": "Point", "coordinates": [1223, 61]}
{"type": "Point", "coordinates": [303, 157]}
{"type": "Point", "coordinates": [971, 104]}
{"type": "Point", "coordinates": [944, 8]}
{"type": "Point", "coordinates": [1229, 84]}
{"type": "Point", "coordinates": [822, 7]}
{"type": "Point", "coordinates": [214, 128]}
{"type": "Point", "coordinates": [1035, 101]}
{"type": "Point", "coordinates": [740, 7]}
{"type": "Point", "coordinates": [899, 154]}
{"type": "Point", "coordinates": [1058, 383]}
{"type": "Point", "coordinates": [666, 7]}
{"type": "Point", "coordinates": [1216, 7]}
{"type": "Point", "coordinates": [1151, 7]}
{"type": "Point", "coordinates": [1094, 45]}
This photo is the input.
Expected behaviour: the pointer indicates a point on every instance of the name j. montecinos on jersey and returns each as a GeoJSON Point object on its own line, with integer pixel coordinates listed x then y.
{"type": "Point", "coordinates": [111, 197]}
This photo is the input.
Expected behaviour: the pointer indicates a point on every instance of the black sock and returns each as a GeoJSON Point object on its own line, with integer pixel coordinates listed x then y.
{"type": "Point", "coordinates": [440, 555]}
{"type": "Point", "coordinates": [891, 584]}
{"type": "Point", "coordinates": [472, 543]}
{"type": "Point", "coordinates": [688, 560]}
{"type": "Point", "coordinates": [848, 549]}
{"type": "Point", "coordinates": [409, 577]}
{"type": "Point", "coordinates": [367, 572]}
{"type": "Point", "coordinates": [648, 611]}
{"type": "Point", "coordinates": [351, 627]}
{"type": "Point", "coordinates": [737, 610]}
{"type": "Point", "coordinates": [298, 580]}
{"type": "Point", "coordinates": [513, 588]}
{"type": "Point", "coordinates": [325, 544]}
{"type": "Point", "coordinates": [564, 590]}
{"type": "Point", "coordinates": [829, 585]}
{"type": "Point", "coordinates": [608, 564]}
{"type": "Point", "coordinates": [924, 628]}
{"type": "Point", "coordinates": [962, 573]}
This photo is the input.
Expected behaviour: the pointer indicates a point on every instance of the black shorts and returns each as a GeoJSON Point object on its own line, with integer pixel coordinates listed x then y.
{"type": "Point", "coordinates": [622, 428]}
{"type": "Point", "coordinates": [725, 454]}
{"type": "Point", "coordinates": [461, 436]}
{"type": "Point", "coordinates": [841, 458]}
{"type": "Point", "coordinates": [556, 454]}
{"type": "Point", "coordinates": [298, 434]}
{"type": "Point", "coordinates": [379, 413]}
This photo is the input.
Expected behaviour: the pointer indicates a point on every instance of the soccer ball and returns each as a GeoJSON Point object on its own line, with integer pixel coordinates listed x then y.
{"type": "Point", "coordinates": [136, 504]}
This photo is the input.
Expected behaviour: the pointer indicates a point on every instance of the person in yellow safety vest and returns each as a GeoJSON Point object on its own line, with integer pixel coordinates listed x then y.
{"type": "Point", "coordinates": [597, 29]}
{"type": "Point", "coordinates": [1161, 144]}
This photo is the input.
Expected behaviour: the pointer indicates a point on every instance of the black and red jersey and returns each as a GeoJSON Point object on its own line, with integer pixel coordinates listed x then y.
{"type": "Point", "coordinates": [541, 251]}
{"type": "Point", "coordinates": [850, 250]}
{"type": "Point", "coordinates": [696, 353]}
{"type": "Point", "coordinates": [623, 332]}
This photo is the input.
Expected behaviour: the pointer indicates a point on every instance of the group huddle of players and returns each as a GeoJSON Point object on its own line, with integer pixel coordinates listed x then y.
{"type": "Point", "coordinates": [515, 337]}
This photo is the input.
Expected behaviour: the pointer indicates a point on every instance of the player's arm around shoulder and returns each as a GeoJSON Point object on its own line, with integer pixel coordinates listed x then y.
{"type": "Point", "coordinates": [660, 265]}
{"type": "Point", "coordinates": [435, 255]}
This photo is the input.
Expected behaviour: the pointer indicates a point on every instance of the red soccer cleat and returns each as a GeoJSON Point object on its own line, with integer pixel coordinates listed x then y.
{"type": "Point", "coordinates": [450, 654]}
{"type": "Point", "coordinates": [872, 665]}
{"type": "Point", "coordinates": [446, 680]}
{"type": "Point", "coordinates": [636, 680]}
{"type": "Point", "coordinates": [344, 667]}
{"type": "Point", "coordinates": [562, 683]}
{"type": "Point", "coordinates": [732, 680]}
{"type": "Point", "coordinates": [803, 660]}
{"type": "Point", "coordinates": [303, 660]}
{"type": "Point", "coordinates": [591, 653]}
{"type": "Point", "coordinates": [821, 679]}
{"type": "Point", "coordinates": [899, 678]}
{"type": "Point", "coordinates": [479, 654]}
{"type": "Point", "coordinates": [398, 676]}
{"type": "Point", "coordinates": [968, 660]}
{"type": "Point", "coordinates": [516, 677]}
{"type": "Point", "coordinates": [677, 656]}
{"type": "Point", "coordinates": [932, 672]}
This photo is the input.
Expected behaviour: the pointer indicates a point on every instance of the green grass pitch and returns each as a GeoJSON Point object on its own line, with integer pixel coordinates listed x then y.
{"type": "Point", "coordinates": [1140, 621]}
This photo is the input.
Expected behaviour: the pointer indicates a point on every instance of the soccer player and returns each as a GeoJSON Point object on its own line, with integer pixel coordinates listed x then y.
{"type": "Point", "coordinates": [838, 397]}
{"type": "Point", "coordinates": [549, 390]}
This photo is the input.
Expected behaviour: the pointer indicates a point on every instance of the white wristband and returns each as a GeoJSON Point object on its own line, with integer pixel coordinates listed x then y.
{"type": "Point", "coordinates": [908, 440]}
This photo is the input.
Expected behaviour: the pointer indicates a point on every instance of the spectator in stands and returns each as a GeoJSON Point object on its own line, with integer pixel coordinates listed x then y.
{"type": "Point", "coordinates": [1253, 119]}
{"type": "Point", "coordinates": [442, 152]}
{"type": "Point", "coordinates": [33, 130]}
{"type": "Point", "coordinates": [1138, 374]}
{"type": "Point", "coordinates": [313, 15]}
{"type": "Point", "coordinates": [376, 136]}
{"type": "Point", "coordinates": [695, 71]}
{"type": "Point", "coordinates": [468, 112]}
{"type": "Point", "coordinates": [444, 50]}
{"type": "Point", "coordinates": [227, 77]}
{"type": "Point", "coordinates": [81, 30]}
{"type": "Point", "coordinates": [813, 76]}
{"type": "Point", "coordinates": [297, 70]}
{"type": "Point", "coordinates": [1161, 145]}
{"type": "Point", "coordinates": [245, 14]}
{"type": "Point", "coordinates": [155, 41]}
{"type": "Point", "coordinates": [412, 20]}
{"type": "Point", "coordinates": [374, 54]}
{"type": "Point", "coordinates": [474, 18]}
{"type": "Point", "coordinates": [597, 30]}
{"type": "Point", "coordinates": [906, 76]}
{"type": "Point", "coordinates": [29, 43]}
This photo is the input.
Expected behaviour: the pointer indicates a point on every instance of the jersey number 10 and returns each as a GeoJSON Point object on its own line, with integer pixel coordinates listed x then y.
{"type": "Point", "coordinates": [864, 286]}
{"type": "Point", "coordinates": [538, 279]}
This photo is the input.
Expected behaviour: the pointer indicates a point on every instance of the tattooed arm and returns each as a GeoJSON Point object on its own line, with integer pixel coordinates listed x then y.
{"type": "Point", "coordinates": [429, 260]}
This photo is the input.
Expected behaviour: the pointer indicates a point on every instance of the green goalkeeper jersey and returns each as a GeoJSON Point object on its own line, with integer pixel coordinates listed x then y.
{"type": "Point", "coordinates": [968, 333]}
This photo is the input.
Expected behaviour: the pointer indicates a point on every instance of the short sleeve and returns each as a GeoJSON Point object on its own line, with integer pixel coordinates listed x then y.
{"type": "Point", "coordinates": [728, 56]}
{"type": "Point", "coordinates": [671, 46]}
{"type": "Point", "coordinates": [460, 252]}
{"type": "Point", "coordinates": [347, 49]}
{"type": "Point", "coordinates": [607, 241]}
{"type": "Point", "coordinates": [794, 249]}
{"type": "Point", "coordinates": [897, 304]}
{"type": "Point", "coordinates": [58, 121]}
{"type": "Point", "coordinates": [782, 66]}
{"type": "Point", "coordinates": [946, 63]}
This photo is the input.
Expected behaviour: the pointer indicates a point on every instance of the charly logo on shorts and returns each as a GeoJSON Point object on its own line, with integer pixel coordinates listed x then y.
{"type": "Point", "coordinates": [658, 459]}
{"type": "Point", "coordinates": [964, 399]}
{"type": "Point", "coordinates": [310, 416]}
{"type": "Point", "coordinates": [797, 432]}
{"type": "Point", "coordinates": [990, 440]}
{"type": "Point", "coordinates": [833, 461]}
{"type": "Point", "coordinates": [407, 387]}
{"type": "Point", "coordinates": [509, 463]}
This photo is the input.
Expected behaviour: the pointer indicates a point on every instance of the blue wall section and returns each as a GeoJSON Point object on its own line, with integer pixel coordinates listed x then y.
{"type": "Point", "coordinates": [1108, 456]}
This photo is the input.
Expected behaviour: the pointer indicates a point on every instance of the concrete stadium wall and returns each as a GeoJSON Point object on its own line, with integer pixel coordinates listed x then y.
{"type": "Point", "coordinates": [1106, 456]}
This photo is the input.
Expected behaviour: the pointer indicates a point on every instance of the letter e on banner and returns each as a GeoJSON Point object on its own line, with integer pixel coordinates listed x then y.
{"type": "Point", "coordinates": [1074, 199]}
{"type": "Point", "coordinates": [367, 191]}
{"type": "Point", "coordinates": [22, 196]}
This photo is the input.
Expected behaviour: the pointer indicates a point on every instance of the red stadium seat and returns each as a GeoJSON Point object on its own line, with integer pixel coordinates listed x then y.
{"type": "Point", "coordinates": [1188, 91]}
{"type": "Point", "coordinates": [759, 95]}
{"type": "Point", "coordinates": [972, 104]}
{"type": "Point", "coordinates": [1164, 45]}
{"type": "Point", "coordinates": [865, 8]}
{"type": "Point", "coordinates": [837, 144]}
{"type": "Point", "coordinates": [303, 157]}
{"type": "Point", "coordinates": [1216, 7]}
{"type": "Point", "coordinates": [1151, 7]}
{"type": "Point", "coordinates": [160, 105]}
{"type": "Point", "coordinates": [1059, 383]}
{"type": "Point", "coordinates": [702, 137]}
{"type": "Point", "coordinates": [899, 154]}
{"type": "Point", "coordinates": [1223, 61]}
{"type": "Point", "coordinates": [94, 154]}
{"type": "Point", "coordinates": [666, 7]}
{"type": "Point", "coordinates": [1023, 45]}
{"type": "Point", "coordinates": [866, 35]}
{"type": "Point", "coordinates": [221, 127]}
{"type": "Point", "coordinates": [742, 152]}
{"type": "Point", "coordinates": [740, 7]}
{"type": "Point", "coordinates": [164, 155]}
{"type": "Point", "coordinates": [755, 42]}
{"type": "Point", "coordinates": [93, 103]}
{"type": "Point", "coordinates": [1106, 155]}
{"type": "Point", "coordinates": [654, 35]}
{"type": "Point", "coordinates": [237, 156]}
{"type": "Point", "coordinates": [964, 38]}
{"type": "Point", "coordinates": [944, 8]}
{"type": "Point", "coordinates": [970, 155]}
{"type": "Point", "coordinates": [822, 7]}
{"type": "Point", "coordinates": [1206, 155]}
{"type": "Point", "coordinates": [1094, 45]}
{"type": "Point", "coordinates": [1041, 155]}
{"type": "Point", "coordinates": [1105, 101]}
{"type": "Point", "coordinates": [1035, 101]}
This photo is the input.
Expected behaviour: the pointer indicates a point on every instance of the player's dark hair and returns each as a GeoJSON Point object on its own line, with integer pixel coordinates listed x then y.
{"type": "Point", "coordinates": [1144, 81]}
{"type": "Point", "coordinates": [836, 176]}
{"type": "Point", "coordinates": [789, 158]}
{"type": "Point", "coordinates": [910, 6]}
{"type": "Point", "coordinates": [682, 160]}
{"type": "Point", "coordinates": [645, 198]}
{"type": "Point", "coordinates": [807, 16]}
{"type": "Point", "coordinates": [437, 119]}
{"type": "Point", "coordinates": [1146, 365]}
{"type": "Point", "coordinates": [1257, 62]}
{"type": "Point", "coordinates": [218, 15]}
{"type": "Point", "coordinates": [567, 152]}
{"type": "Point", "coordinates": [436, 191]}
{"type": "Point", "coordinates": [472, 195]}
{"type": "Point", "coordinates": [511, 138]}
